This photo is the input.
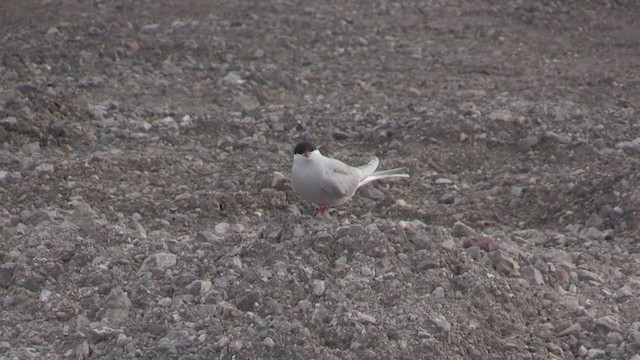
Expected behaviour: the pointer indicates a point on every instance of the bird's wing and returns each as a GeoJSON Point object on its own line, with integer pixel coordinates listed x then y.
{"type": "Point", "coordinates": [340, 179]}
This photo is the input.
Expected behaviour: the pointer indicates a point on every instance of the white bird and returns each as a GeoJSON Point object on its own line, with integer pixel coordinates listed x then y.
{"type": "Point", "coordinates": [328, 182]}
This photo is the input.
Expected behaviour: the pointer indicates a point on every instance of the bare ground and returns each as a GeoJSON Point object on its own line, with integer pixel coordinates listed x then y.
{"type": "Point", "coordinates": [146, 208]}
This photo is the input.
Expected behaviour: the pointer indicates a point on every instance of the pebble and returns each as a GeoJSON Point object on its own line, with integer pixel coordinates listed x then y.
{"type": "Point", "coordinates": [165, 302]}
{"type": "Point", "coordinates": [304, 305]}
{"type": "Point", "coordinates": [474, 252]}
{"type": "Point", "coordinates": [83, 216]}
{"type": "Point", "coordinates": [44, 168]}
{"type": "Point", "coordinates": [278, 179]}
{"type": "Point", "coordinates": [163, 260]}
{"type": "Point", "coordinates": [592, 234]}
{"type": "Point", "coordinates": [485, 243]}
{"type": "Point", "coordinates": [609, 322]}
{"type": "Point", "coordinates": [586, 275]}
{"type": "Point", "coordinates": [447, 198]}
{"type": "Point", "coordinates": [503, 263]}
{"type": "Point", "coordinates": [461, 229]}
{"type": "Point", "coordinates": [207, 237]}
{"type": "Point", "coordinates": [443, 181]}
{"type": "Point", "coordinates": [532, 274]}
{"type": "Point", "coordinates": [366, 319]}
{"type": "Point", "coordinates": [500, 115]}
{"type": "Point", "coordinates": [596, 354]}
{"type": "Point", "coordinates": [318, 287]}
{"type": "Point", "coordinates": [437, 293]}
{"type": "Point", "coordinates": [247, 102]}
{"type": "Point", "coordinates": [571, 329]}
{"type": "Point", "coordinates": [420, 240]}
{"type": "Point", "coordinates": [221, 228]}
{"type": "Point", "coordinates": [248, 301]}
{"type": "Point", "coordinates": [400, 203]}
{"type": "Point", "coordinates": [447, 243]}
{"type": "Point", "coordinates": [614, 337]}
{"type": "Point", "coordinates": [268, 342]}
{"type": "Point", "coordinates": [372, 193]}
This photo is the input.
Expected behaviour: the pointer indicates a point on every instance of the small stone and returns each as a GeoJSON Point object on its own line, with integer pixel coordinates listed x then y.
{"type": "Point", "coordinates": [366, 319]}
{"type": "Point", "coordinates": [318, 287]}
{"type": "Point", "coordinates": [562, 275]}
{"type": "Point", "coordinates": [516, 191]}
{"type": "Point", "coordinates": [443, 181]}
{"type": "Point", "coordinates": [532, 274]}
{"type": "Point", "coordinates": [474, 252]}
{"type": "Point", "coordinates": [304, 305]}
{"type": "Point", "coordinates": [594, 221]}
{"type": "Point", "coordinates": [447, 198]}
{"type": "Point", "coordinates": [45, 295]}
{"type": "Point", "coordinates": [503, 263]}
{"type": "Point", "coordinates": [122, 340]}
{"type": "Point", "coordinates": [420, 240]}
{"type": "Point", "coordinates": [83, 216]}
{"type": "Point", "coordinates": [221, 228]}
{"type": "Point", "coordinates": [233, 78]}
{"type": "Point", "coordinates": [268, 342]}
{"type": "Point", "coordinates": [574, 328]}
{"type": "Point", "coordinates": [586, 275]}
{"type": "Point", "coordinates": [248, 301]}
{"type": "Point", "coordinates": [278, 179]}
{"type": "Point", "coordinates": [437, 294]}
{"type": "Point", "coordinates": [609, 322]}
{"type": "Point", "coordinates": [614, 337]}
{"type": "Point", "coordinates": [44, 168]}
{"type": "Point", "coordinates": [165, 302]}
{"type": "Point", "coordinates": [372, 193]}
{"type": "Point", "coordinates": [36, 340]}
{"type": "Point", "coordinates": [448, 243]}
{"type": "Point", "coordinates": [247, 102]}
{"type": "Point", "coordinates": [500, 115]}
{"type": "Point", "coordinates": [592, 234]}
{"type": "Point", "coordinates": [485, 243]}
{"type": "Point", "coordinates": [461, 229]}
{"type": "Point", "coordinates": [207, 237]}
{"type": "Point", "coordinates": [595, 354]}
{"type": "Point", "coordinates": [151, 28]}
{"type": "Point", "coordinates": [163, 260]}
{"type": "Point", "coordinates": [341, 261]}
{"type": "Point", "coordinates": [400, 203]}
{"type": "Point", "coordinates": [624, 293]}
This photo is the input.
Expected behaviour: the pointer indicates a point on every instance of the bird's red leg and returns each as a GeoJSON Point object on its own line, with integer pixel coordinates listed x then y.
{"type": "Point", "coordinates": [322, 210]}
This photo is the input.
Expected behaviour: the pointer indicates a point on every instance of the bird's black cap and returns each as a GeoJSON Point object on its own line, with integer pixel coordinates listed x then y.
{"type": "Point", "coordinates": [303, 147]}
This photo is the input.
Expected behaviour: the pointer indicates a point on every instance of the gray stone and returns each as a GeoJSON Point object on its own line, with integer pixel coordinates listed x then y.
{"type": "Point", "coordinates": [318, 287]}
{"type": "Point", "coordinates": [221, 228]}
{"type": "Point", "coordinates": [447, 198]}
{"type": "Point", "coordinates": [247, 302]}
{"type": "Point", "coordinates": [586, 275]}
{"type": "Point", "coordinates": [207, 237]}
{"type": "Point", "coordinates": [594, 221]}
{"type": "Point", "coordinates": [532, 274]}
{"type": "Point", "coordinates": [461, 229]}
{"type": "Point", "coordinates": [372, 193]}
{"type": "Point", "coordinates": [174, 340]}
{"type": "Point", "coordinates": [609, 322]}
{"type": "Point", "coordinates": [83, 217]}
{"type": "Point", "coordinates": [420, 240]}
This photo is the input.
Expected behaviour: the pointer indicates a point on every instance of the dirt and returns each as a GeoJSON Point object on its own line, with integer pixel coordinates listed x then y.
{"type": "Point", "coordinates": [145, 150]}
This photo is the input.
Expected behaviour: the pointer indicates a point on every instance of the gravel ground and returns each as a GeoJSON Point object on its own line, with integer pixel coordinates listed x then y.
{"type": "Point", "coordinates": [145, 150]}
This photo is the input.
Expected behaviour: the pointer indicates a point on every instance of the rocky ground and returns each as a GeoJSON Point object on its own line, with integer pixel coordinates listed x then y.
{"type": "Point", "coordinates": [147, 212]}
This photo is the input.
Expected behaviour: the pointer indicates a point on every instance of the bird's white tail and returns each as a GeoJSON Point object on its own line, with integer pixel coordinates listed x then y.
{"type": "Point", "coordinates": [393, 173]}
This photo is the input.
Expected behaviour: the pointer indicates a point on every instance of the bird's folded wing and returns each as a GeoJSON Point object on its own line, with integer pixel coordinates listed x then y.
{"type": "Point", "coordinates": [340, 179]}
